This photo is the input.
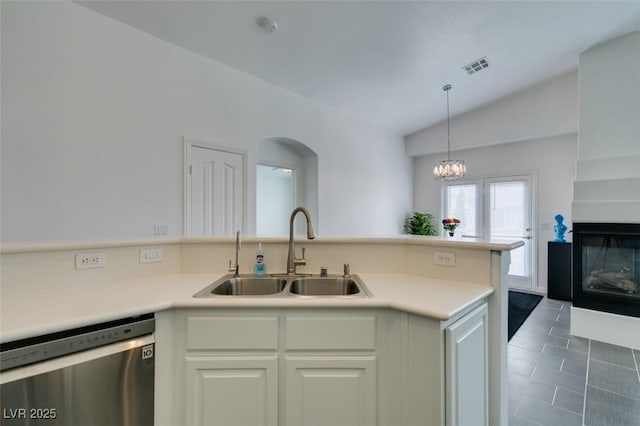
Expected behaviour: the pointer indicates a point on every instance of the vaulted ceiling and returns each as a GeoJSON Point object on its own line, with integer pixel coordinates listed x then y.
{"type": "Point", "coordinates": [386, 61]}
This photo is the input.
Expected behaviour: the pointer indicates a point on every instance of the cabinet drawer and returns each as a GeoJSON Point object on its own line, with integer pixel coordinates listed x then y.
{"type": "Point", "coordinates": [337, 333]}
{"type": "Point", "coordinates": [232, 333]}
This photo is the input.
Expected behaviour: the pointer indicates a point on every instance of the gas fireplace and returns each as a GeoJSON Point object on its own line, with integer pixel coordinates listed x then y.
{"type": "Point", "coordinates": [606, 267]}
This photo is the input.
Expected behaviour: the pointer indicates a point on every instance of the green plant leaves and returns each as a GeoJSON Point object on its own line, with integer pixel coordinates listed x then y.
{"type": "Point", "coordinates": [420, 224]}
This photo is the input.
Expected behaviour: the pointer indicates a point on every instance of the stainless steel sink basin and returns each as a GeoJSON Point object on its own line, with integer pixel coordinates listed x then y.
{"type": "Point", "coordinates": [324, 286]}
{"type": "Point", "coordinates": [286, 286]}
{"type": "Point", "coordinates": [244, 286]}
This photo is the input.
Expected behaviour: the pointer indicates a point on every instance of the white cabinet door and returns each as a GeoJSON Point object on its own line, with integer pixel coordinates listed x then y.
{"type": "Point", "coordinates": [330, 391]}
{"type": "Point", "coordinates": [233, 391]}
{"type": "Point", "coordinates": [467, 370]}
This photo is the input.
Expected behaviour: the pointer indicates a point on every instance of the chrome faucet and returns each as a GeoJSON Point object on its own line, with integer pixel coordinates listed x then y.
{"type": "Point", "coordinates": [236, 268]}
{"type": "Point", "coordinates": [292, 262]}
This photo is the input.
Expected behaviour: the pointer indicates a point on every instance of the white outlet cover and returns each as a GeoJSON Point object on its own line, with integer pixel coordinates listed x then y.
{"type": "Point", "coordinates": [444, 258]}
{"type": "Point", "coordinates": [150, 255]}
{"type": "Point", "coordinates": [89, 260]}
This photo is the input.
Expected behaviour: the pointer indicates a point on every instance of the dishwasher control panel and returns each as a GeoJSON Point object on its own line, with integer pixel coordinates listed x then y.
{"type": "Point", "coordinates": [28, 351]}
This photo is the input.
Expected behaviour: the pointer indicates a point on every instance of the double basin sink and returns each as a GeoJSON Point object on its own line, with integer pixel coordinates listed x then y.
{"type": "Point", "coordinates": [286, 286]}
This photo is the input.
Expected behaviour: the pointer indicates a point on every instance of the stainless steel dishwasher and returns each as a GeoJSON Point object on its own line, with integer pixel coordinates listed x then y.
{"type": "Point", "coordinates": [90, 376]}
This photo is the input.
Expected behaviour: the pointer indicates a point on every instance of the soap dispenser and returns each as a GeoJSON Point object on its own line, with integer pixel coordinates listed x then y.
{"type": "Point", "coordinates": [260, 268]}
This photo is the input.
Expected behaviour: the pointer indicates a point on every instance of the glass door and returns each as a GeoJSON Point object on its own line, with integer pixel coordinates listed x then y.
{"type": "Point", "coordinates": [508, 215]}
{"type": "Point", "coordinates": [496, 208]}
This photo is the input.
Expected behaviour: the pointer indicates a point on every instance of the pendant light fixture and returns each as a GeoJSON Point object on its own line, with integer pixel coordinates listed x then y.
{"type": "Point", "coordinates": [449, 169]}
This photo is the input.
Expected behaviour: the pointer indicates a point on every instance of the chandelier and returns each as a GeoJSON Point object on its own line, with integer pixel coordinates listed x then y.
{"type": "Point", "coordinates": [449, 169]}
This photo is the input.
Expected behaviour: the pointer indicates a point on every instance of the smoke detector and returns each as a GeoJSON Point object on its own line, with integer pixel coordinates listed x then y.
{"type": "Point", "coordinates": [268, 25]}
{"type": "Point", "coordinates": [477, 65]}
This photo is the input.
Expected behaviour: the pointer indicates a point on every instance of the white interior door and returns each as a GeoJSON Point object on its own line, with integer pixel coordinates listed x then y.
{"type": "Point", "coordinates": [508, 215]}
{"type": "Point", "coordinates": [214, 191]}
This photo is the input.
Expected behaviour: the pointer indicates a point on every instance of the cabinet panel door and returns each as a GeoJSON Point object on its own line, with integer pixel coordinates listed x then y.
{"type": "Point", "coordinates": [238, 391]}
{"type": "Point", "coordinates": [330, 391]}
{"type": "Point", "coordinates": [330, 332]}
{"type": "Point", "coordinates": [232, 332]}
{"type": "Point", "coordinates": [466, 370]}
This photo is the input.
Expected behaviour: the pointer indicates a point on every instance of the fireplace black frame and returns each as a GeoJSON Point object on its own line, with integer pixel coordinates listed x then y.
{"type": "Point", "coordinates": [605, 302]}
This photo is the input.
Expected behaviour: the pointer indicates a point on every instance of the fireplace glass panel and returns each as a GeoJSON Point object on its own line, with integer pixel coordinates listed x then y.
{"type": "Point", "coordinates": [606, 267]}
{"type": "Point", "coordinates": [611, 266]}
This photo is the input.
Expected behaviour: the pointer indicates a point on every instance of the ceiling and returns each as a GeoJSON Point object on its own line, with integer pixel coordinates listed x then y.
{"type": "Point", "coordinates": [386, 61]}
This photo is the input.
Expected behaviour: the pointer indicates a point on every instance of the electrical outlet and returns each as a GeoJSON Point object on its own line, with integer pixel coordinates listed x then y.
{"type": "Point", "coordinates": [160, 230]}
{"type": "Point", "coordinates": [150, 255]}
{"type": "Point", "coordinates": [444, 258]}
{"type": "Point", "coordinates": [91, 260]}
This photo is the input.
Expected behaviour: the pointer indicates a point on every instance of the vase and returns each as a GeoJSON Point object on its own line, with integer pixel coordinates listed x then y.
{"type": "Point", "coordinates": [451, 233]}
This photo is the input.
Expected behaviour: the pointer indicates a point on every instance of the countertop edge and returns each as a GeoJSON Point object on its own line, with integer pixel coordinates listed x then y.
{"type": "Point", "coordinates": [462, 242]}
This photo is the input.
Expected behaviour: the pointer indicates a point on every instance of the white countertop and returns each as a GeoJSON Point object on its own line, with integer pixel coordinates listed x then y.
{"type": "Point", "coordinates": [32, 313]}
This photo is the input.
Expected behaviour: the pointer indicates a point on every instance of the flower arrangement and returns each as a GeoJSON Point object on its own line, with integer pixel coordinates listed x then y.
{"type": "Point", "coordinates": [450, 224]}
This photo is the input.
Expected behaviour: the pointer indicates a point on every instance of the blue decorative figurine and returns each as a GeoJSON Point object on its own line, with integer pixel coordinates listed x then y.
{"type": "Point", "coordinates": [559, 228]}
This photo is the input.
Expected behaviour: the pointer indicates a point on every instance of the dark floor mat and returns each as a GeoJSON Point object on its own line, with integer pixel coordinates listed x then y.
{"type": "Point", "coordinates": [520, 307]}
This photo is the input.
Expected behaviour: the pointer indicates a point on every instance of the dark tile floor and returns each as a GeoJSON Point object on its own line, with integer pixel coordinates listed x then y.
{"type": "Point", "coordinates": [556, 379]}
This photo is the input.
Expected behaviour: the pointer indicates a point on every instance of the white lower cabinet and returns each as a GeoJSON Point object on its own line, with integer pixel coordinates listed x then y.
{"type": "Point", "coordinates": [329, 369]}
{"type": "Point", "coordinates": [466, 364]}
{"type": "Point", "coordinates": [230, 365]}
{"type": "Point", "coordinates": [296, 368]}
{"type": "Point", "coordinates": [237, 391]}
{"type": "Point", "coordinates": [333, 367]}
{"type": "Point", "coordinates": [330, 391]}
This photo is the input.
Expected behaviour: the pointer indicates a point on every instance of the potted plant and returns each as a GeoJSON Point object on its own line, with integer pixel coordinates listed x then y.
{"type": "Point", "coordinates": [420, 224]}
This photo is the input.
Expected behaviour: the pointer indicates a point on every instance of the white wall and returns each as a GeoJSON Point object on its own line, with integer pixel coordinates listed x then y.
{"type": "Point", "coordinates": [551, 160]}
{"type": "Point", "coordinates": [93, 118]}
{"type": "Point", "coordinates": [531, 132]}
{"type": "Point", "coordinates": [610, 99]}
{"type": "Point", "coordinates": [607, 187]}
{"type": "Point", "coordinates": [544, 110]}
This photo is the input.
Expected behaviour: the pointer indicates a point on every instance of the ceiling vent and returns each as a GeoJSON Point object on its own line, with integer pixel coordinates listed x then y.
{"type": "Point", "coordinates": [477, 65]}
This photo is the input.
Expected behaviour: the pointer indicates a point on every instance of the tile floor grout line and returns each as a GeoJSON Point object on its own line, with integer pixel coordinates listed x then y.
{"type": "Point", "coordinates": [550, 330]}
{"type": "Point", "coordinates": [527, 420]}
{"type": "Point", "coordinates": [555, 392]}
{"type": "Point", "coordinates": [635, 359]}
{"type": "Point", "coordinates": [615, 393]}
{"type": "Point", "coordinates": [557, 407]}
{"type": "Point", "coordinates": [542, 320]}
{"type": "Point", "coordinates": [614, 364]}
{"type": "Point", "coordinates": [586, 385]}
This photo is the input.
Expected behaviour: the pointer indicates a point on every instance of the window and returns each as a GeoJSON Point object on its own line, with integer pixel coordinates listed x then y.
{"type": "Point", "coordinates": [461, 201]}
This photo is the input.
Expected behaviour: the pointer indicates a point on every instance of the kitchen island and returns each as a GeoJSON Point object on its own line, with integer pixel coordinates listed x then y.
{"type": "Point", "coordinates": [411, 294]}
